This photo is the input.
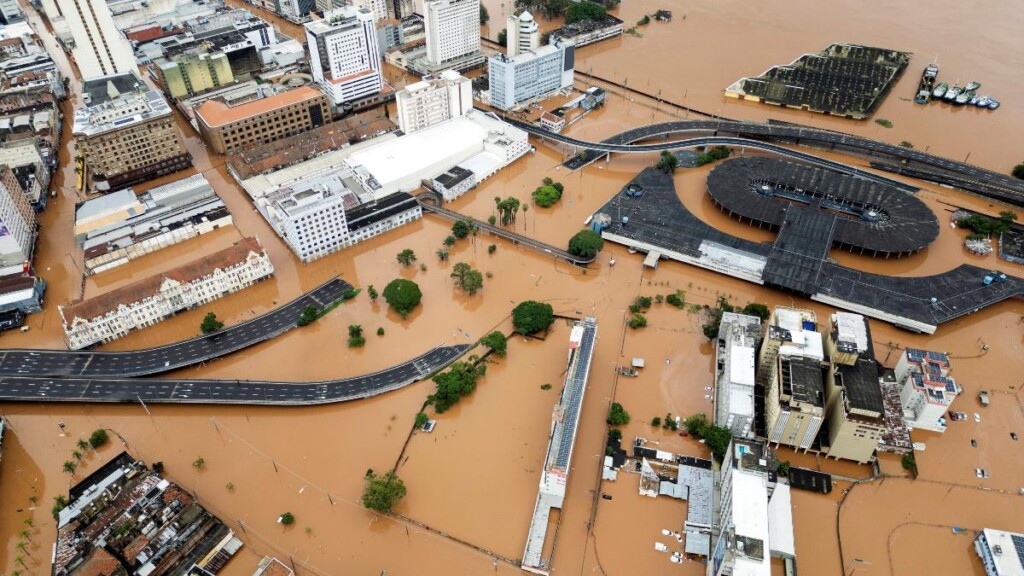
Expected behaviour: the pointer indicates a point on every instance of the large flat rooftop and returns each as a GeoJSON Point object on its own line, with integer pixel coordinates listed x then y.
{"type": "Point", "coordinates": [658, 221]}
{"type": "Point", "coordinates": [843, 79]}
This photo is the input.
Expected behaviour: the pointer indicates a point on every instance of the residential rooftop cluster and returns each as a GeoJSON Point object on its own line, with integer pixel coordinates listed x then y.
{"type": "Point", "coordinates": [31, 88]}
{"type": "Point", "coordinates": [126, 519]}
{"type": "Point", "coordinates": [820, 389]}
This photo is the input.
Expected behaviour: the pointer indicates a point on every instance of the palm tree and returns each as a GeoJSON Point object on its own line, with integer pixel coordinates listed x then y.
{"type": "Point", "coordinates": [27, 521]}
{"type": "Point", "coordinates": [21, 546]}
{"type": "Point", "coordinates": [77, 455]}
{"type": "Point", "coordinates": [25, 534]}
{"type": "Point", "coordinates": [20, 560]}
{"type": "Point", "coordinates": [82, 444]}
{"type": "Point", "coordinates": [69, 467]}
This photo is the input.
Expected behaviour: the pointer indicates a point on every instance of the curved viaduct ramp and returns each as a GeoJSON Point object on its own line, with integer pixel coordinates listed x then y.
{"type": "Point", "coordinates": [756, 136]}
{"type": "Point", "coordinates": [85, 364]}
{"type": "Point", "coordinates": [243, 392]}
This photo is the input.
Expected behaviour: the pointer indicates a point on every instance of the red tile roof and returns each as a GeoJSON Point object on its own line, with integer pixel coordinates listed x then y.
{"type": "Point", "coordinates": [149, 287]}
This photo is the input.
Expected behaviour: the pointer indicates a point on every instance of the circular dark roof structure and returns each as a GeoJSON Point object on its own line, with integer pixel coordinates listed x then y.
{"type": "Point", "coordinates": [868, 216]}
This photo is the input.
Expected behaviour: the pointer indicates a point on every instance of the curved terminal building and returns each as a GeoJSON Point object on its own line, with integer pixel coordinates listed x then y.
{"type": "Point", "coordinates": [865, 217]}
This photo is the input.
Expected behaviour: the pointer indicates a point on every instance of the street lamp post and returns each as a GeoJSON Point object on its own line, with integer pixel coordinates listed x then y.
{"type": "Point", "coordinates": [860, 563]}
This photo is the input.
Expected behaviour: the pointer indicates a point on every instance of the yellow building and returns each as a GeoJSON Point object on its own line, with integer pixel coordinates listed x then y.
{"type": "Point", "coordinates": [192, 73]}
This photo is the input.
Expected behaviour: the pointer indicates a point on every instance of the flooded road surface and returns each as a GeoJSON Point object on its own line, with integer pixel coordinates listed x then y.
{"type": "Point", "coordinates": [710, 45]}
{"type": "Point", "coordinates": [475, 477]}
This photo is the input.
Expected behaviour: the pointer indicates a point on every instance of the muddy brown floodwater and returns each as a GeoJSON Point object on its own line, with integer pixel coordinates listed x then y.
{"type": "Point", "coordinates": [476, 476]}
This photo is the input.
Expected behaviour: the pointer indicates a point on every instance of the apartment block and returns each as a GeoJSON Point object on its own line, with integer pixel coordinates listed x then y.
{"type": "Point", "coordinates": [127, 133]}
{"type": "Point", "coordinates": [522, 34]}
{"type": "Point", "coordinates": [735, 351]}
{"type": "Point", "coordinates": [344, 56]}
{"type": "Point", "coordinates": [790, 369]}
{"type": "Point", "coordinates": [379, 8]}
{"type": "Point", "coordinates": [149, 301]}
{"type": "Point", "coordinates": [926, 388]}
{"type": "Point", "coordinates": [530, 75]}
{"type": "Point", "coordinates": [100, 48]}
{"type": "Point", "coordinates": [453, 34]}
{"type": "Point", "coordinates": [755, 516]}
{"type": "Point", "coordinates": [434, 100]}
{"type": "Point", "coordinates": [854, 396]}
{"type": "Point", "coordinates": [17, 225]}
{"type": "Point", "coordinates": [227, 128]}
{"type": "Point", "coordinates": [322, 214]}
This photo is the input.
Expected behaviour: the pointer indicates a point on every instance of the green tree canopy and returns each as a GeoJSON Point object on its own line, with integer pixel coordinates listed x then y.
{"type": "Point", "coordinates": [757, 309]}
{"type": "Point", "coordinates": [618, 416]}
{"type": "Point", "coordinates": [406, 257]}
{"type": "Point", "coordinates": [718, 438]}
{"type": "Point", "coordinates": [1018, 171]}
{"type": "Point", "coordinates": [497, 342]}
{"type": "Point", "coordinates": [98, 438]}
{"type": "Point", "coordinates": [210, 323]}
{"type": "Point", "coordinates": [484, 16]}
{"type": "Point", "coordinates": [308, 315]}
{"type": "Point", "coordinates": [458, 381]}
{"type": "Point", "coordinates": [461, 229]}
{"type": "Point", "coordinates": [531, 316]}
{"type": "Point", "coordinates": [586, 244]}
{"type": "Point", "coordinates": [381, 492]}
{"type": "Point", "coordinates": [667, 163]}
{"type": "Point", "coordinates": [402, 295]}
{"type": "Point", "coordinates": [580, 11]}
{"type": "Point", "coordinates": [546, 196]}
{"type": "Point", "coordinates": [503, 37]}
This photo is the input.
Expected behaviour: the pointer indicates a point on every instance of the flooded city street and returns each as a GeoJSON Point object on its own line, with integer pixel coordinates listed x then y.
{"type": "Point", "coordinates": [472, 482]}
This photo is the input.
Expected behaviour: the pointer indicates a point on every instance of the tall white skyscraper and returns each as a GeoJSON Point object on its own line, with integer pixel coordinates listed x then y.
{"type": "Point", "coordinates": [343, 54]}
{"type": "Point", "coordinates": [435, 100]}
{"type": "Point", "coordinates": [100, 49]}
{"type": "Point", "coordinates": [453, 32]}
{"type": "Point", "coordinates": [523, 34]}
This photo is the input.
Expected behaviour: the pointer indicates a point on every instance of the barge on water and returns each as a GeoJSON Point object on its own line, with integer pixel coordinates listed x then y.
{"type": "Point", "coordinates": [927, 84]}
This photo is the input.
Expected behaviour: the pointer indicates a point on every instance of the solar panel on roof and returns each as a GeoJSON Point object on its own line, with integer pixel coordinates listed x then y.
{"type": "Point", "coordinates": [1018, 545]}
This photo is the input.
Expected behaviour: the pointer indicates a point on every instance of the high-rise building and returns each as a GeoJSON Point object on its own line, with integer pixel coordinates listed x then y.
{"type": "Point", "coordinates": [379, 8]}
{"type": "Point", "coordinates": [530, 75]}
{"type": "Point", "coordinates": [127, 133]}
{"type": "Point", "coordinates": [523, 34]}
{"type": "Point", "coordinates": [453, 33]}
{"type": "Point", "coordinates": [926, 388]}
{"type": "Point", "coordinates": [344, 56]}
{"type": "Point", "coordinates": [434, 100]}
{"type": "Point", "coordinates": [755, 520]}
{"type": "Point", "coordinates": [17, 225]}
{"type": "Point", "coordinates": [738, 337]}
{"type": "Point", "coordinates": [400, 9]}
{"type": "Point", "coordinates": [100, 49]}
{"type": "Point", "coordinates": [790, 370]}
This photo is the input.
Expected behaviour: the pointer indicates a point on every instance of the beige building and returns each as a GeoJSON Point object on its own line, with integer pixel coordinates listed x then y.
{"type": "Point", "coordinates": [790, 371]}
{"type": "Point", "coordinates": [127, 133]}
{"type": "Point", "coordinates": [193, 72]}
{"type": "Point", "coordinates": [853, 392]}
{"type": "Point", "coordinates": [17, 225]}
{"type": "Point", "coordinates": [229, 128]}
{"type": "Point", "coordinates": [151, 300]}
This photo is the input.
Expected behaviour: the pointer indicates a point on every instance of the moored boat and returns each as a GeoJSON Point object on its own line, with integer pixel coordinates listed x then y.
{"type": "Point", "coordinates": [973, 86]}
{"type": "Point", "coordinates": [993, 104]}
{"type": "Point", "coordinates": [940, 90]}
{"type": "Point", "coordinates": [952, 93]}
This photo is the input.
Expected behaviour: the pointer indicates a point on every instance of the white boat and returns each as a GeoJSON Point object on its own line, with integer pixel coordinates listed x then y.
{"type": "Point", "coordinates": [993, 104]}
